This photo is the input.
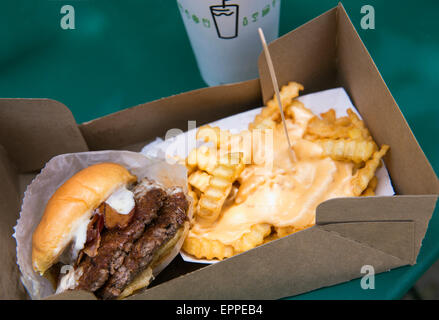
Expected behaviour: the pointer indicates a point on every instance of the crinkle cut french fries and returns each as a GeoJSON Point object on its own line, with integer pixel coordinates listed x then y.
{"type": "Point", "coordinates": [214, 171]}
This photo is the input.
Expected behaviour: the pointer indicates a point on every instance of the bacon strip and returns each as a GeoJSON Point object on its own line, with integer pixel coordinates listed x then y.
{"type": "Point", "coordinates": [94, 230]}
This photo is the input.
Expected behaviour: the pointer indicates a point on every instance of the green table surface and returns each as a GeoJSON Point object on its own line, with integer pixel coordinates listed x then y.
{"type": "Point", "coordinates": [123, 53]}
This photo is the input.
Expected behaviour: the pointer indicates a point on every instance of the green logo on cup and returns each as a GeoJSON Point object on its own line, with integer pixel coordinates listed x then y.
{"type": "Point", "coordinates": [226, 17]}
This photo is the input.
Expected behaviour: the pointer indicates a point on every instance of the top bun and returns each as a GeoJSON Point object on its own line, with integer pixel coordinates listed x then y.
{"type": "Point", "coordinates": [70, 207]}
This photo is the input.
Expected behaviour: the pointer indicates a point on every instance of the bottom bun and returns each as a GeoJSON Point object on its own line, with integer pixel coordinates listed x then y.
{"type": "Point", "coordinates": [141, 281]}
{"type": "Point", "coordinates": [144, 278]}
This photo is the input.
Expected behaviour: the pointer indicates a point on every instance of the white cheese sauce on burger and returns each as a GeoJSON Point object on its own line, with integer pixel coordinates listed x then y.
{"type": "Point", "coordinates": [121, 200]}
{"type": "Point", "coordinates": [69, 255]}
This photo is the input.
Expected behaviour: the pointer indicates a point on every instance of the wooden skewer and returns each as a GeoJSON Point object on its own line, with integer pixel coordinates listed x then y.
{"type": "Point", "coordinates": [276, 90]}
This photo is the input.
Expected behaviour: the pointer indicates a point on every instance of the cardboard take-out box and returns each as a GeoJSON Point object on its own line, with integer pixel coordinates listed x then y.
{"type": "Point", "coordinates": [384, 232]}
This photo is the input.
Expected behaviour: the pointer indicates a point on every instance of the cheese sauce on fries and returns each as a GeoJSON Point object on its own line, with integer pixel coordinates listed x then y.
{"type": "Point", "coordinates": [263, 194]}
{"type": "Point", "coordinates": [282, 193]}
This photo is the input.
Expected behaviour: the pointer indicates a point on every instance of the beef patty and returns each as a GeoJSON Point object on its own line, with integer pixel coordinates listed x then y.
{"type": "Point", "coordinates": [171, 217]}
{"type": "Point", "coordinates": [124, 253]}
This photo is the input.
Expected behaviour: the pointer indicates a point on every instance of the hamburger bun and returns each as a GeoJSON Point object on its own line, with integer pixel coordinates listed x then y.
{"type": "Point", "coordinates": [70, 208]}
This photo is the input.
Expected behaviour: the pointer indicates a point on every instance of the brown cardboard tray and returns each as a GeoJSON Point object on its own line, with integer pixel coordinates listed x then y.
{"type": "Point", "coordinates": [385, 232]}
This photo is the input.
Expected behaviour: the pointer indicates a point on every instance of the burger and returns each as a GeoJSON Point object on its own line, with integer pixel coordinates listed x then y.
{"type": "Point", "coordinates": [105, 232]}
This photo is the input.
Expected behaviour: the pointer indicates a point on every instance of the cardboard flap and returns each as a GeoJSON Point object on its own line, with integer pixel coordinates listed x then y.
{"type": "Point", "coordinates": [10, 285]}
{"type": "Point", "coordinates": [141, 124]}
{"type": "Point", "coordinates": [34, 130]}
{"type": "Point", "coordinates": [409, 168]}
{"type": "Point", "coordinates": [380, 209]}
{"type": "Point", "coordinates": [297, 56]}
{"type": "Point", "coordinates": [320, 259]}
{"type": "Point", "coordinates": [395, 238]}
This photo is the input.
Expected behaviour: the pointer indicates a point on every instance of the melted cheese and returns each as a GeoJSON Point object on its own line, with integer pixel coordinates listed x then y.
{"type": "Point", "coordinates": [121, 200]}
{"type": "Point", "coordinates": [77, 242]}
{"type": "Point", "coordinates": [278, 191]}
{"type": "Point", "coordinates": [80, 238]}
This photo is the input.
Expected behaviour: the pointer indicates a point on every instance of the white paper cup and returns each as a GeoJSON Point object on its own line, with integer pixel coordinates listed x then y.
{"type": "Point", "coordinates": [224, 35]}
